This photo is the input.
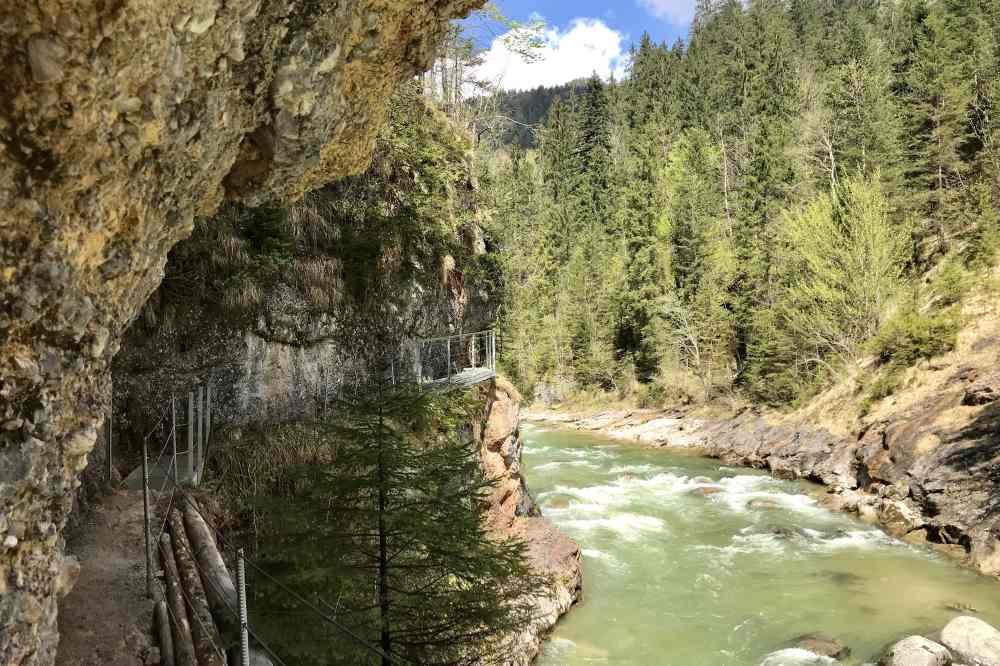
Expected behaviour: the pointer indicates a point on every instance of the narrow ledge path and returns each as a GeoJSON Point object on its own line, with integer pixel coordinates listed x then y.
{"type": "Point", "coordinates": [105, 619]}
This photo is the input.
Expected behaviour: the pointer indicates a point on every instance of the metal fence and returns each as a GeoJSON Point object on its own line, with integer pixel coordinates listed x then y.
{"type": "Point", "coordinates": [463, 357]}
{"type": "Point", "coordinates": [183, 430]}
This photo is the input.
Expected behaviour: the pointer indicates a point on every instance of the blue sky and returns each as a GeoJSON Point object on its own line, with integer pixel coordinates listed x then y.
{"type": "Point", "coordinates": [664, 20]}
{"type": "Point", "coordinates": [580, 37]}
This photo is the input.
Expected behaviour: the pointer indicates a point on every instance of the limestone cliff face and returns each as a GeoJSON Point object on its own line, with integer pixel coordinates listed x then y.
{"type": "Point", "coordinates": [119, 123]}
{"type": "Point", "coordinates": [514, 511]}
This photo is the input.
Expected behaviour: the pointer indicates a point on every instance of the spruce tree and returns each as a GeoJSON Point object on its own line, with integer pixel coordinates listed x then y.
{"type": "Point", "coordinates": [386, 532]}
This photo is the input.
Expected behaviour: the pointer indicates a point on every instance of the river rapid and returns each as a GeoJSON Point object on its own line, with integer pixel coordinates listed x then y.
{"type": "Point", "coordinates": [688, 562]}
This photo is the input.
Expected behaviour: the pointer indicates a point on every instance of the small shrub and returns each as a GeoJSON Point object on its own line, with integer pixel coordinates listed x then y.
{"type": "Point", "coordinates": [912, 335]}
{"type": "Point", "coordinates": [951, 282]}
{"type": "Point", "coordinates": [883, 386]}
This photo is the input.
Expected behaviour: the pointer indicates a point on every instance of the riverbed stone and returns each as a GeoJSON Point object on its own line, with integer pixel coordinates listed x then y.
{"type": "Point", "coordinates": [916, 651]}
{"type": "Point", "coordinates": [973, 641]}
{"type": "Point", "coordinates": [763, 503]}
{"type": "Point", "coordinates": [823, 645]}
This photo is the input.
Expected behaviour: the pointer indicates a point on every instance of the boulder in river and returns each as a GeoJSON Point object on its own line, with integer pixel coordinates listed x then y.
{"type": "Point", "coordinates": [763, 503]}
{"type": "Point", "coordinates": [916, 651]}
{"type": "Point", "coordinates": [705, 491]}
{"type": "Point", "coordinates": [823, 645]}
{"type": "Point", "coordinates": [972, 641]}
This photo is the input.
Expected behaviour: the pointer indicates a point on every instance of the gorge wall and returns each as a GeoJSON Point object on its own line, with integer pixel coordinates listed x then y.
{"type": "Point", "coordinates": [119, 123]}
{"type": "Point", "coordinates": [513, 511]}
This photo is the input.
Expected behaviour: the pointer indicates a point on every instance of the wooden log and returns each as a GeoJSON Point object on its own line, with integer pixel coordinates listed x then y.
{"type": "Point", "coordinates": [180, 626]}
{"type": "Point", "coordinates": [219, 587]}
{"type": "Point", "coordinates": [161, 618]}
{"type": "Point", "coordinates": [207, 643]}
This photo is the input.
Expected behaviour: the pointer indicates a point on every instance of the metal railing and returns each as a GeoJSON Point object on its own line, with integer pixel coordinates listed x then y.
{"type": "Point", "coordinates": [463, 358]}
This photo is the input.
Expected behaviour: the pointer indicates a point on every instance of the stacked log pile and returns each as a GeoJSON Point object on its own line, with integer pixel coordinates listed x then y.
{"type": "Point", "coordinates": [196, 618]}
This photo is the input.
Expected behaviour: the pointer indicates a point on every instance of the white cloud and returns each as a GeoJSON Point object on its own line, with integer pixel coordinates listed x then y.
{"type": "Point", "coordinates": [586, 46]}
{"type": "Point", "coordinates": [677, 12]}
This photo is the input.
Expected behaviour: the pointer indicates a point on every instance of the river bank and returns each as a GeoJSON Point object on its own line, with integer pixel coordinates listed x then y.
{"type": "Point", "coordinates": [692, 561]}
{"type": "Point", "coordinates": [927, 475]}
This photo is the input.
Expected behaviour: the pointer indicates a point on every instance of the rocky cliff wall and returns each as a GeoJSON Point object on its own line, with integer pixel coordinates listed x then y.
{"type": "Point", "coordinates": [513, 511]}
{"type": "Point", "coordinates": [119, 123]}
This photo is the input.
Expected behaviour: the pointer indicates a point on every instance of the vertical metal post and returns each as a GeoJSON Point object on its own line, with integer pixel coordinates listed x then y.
{"type": "Point", "coordinates": [208, 414]}
{"type": "Point", "coordinates": [145, 517]}
{"type": "Point", "coordinates": [475, 342]}
{"type": "Point", "coordinates": [448, 352]}
{"type": "Point", "coordinates": [173, 435]}
{"type": "Point", "coordinates": [493, 351]}
{"type": "Point", "coordinates": [420, 367]}
{"type": "Point", "coordinates": [241, 590]}
{"type": "Point", "coordinates": [191, 461]}
{"type": "Point", "coordinates": [201, 430]}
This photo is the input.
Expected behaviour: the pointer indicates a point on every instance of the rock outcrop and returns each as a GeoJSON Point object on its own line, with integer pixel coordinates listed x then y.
{"type": "Point", "coordinates": [513, 511]}
{"type": "Point", "coordinates": [119, 123]}
{"type": "Point", "coordinates": [927, 473]}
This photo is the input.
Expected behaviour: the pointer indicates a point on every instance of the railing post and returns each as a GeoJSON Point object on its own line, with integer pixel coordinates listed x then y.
{"type": "Point", "coordinates": [420, 367]}
{"type": "Point", "coordinates": [191, 462]}
{"type": "Point", "coordinates": [448, 353]}
{"type": "Point", "coordinates": [493, 350]}
{"type": "Point", "coordinates": [241, 590]}
{"type": "Point", "coordinates": [173, 436]}
{"type": "Point", "coordinates": [201, 430]}
{"type": "Point", "coordinates": [145, 519]}
{"type": "Point", "coordinates": [208, 414]}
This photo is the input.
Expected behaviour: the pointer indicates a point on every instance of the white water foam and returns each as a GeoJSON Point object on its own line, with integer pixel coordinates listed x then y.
{"type": "Point", "coordinates": [628, 526]}
{"type": "Point", "coordinates": [795, 657]}
{"type": "Point", "coordinates": [556, 464]}
{"type": "Point", "coordinates": [559, 647]}
{"type": "Point", "coordinates": [863, 539]}
{"type": "Point", "coordinates": [606, 558]}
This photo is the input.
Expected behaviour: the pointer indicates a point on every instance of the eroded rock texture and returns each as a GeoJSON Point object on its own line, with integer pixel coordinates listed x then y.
{"type": "Point", "coordinates": [119, 123]}
{"type": "Point", "coordinates": [512, 510]}
{"type": "Point", "coordinates": [929, 473]}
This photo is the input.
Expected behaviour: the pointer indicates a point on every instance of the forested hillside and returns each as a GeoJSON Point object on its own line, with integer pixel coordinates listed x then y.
{"type": "Point", "coordinates": [524, 111]}
{"type": "Point", "coordinates": [799, 184]}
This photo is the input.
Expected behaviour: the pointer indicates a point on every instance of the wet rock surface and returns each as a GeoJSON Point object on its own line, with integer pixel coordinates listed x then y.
{"type": "Point", "coordinates": [972, 641]}
{"type": "Point", "coordinates": [119, 123]}
{"type": "Point", "coordinates": [917, 651]}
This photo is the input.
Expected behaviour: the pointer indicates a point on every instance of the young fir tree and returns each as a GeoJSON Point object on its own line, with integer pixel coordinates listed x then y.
{"type": "Point", "coordinates": [385, 532]}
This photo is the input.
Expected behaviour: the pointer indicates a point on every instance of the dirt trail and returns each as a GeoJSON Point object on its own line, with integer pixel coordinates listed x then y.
{"type": "Point", "coordinates": [105, 620]}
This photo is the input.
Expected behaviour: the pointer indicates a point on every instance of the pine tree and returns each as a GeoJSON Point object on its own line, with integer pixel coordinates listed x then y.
{"type": "Point", "coordinates": [386, 532]}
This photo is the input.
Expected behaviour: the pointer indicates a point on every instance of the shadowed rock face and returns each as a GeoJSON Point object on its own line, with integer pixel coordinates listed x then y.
{"type": "Point", "coordinates": [929, 473]}
{"type": "Point", "coordinates": [119, 123]}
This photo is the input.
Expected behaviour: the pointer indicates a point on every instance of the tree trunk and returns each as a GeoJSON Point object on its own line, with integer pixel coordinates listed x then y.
{"type": "Point", "coordinates": [161, 620]}
{"type": "Point", "coordinates": [207, 643]}
{"type": "Point", "coordinates": [219, 588]}
{"type": "Point", "coordinates": [183, 645]}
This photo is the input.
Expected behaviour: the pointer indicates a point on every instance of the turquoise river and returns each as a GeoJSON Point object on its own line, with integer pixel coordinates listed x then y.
{"type": "Point", "coordinates": [688, 562]}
